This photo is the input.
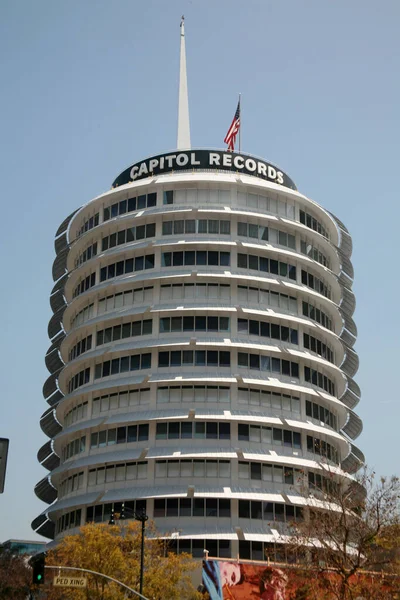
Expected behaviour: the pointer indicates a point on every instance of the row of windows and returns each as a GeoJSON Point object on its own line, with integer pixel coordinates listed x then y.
{"type": "Point", "coordinates": [126, 330]}
{"type": "Point", "coordinates": [266, 265]}
{"type": "Point", "coordinates": [268, 330]}
{"type": "Point", "coordinates": [132, 234]}
{"type": "Point", "coordinates": [79, 348]}
{"type": "Point", "coordinates": [318, 482]}
{"type": "Point", "coordinates": [314, 253]}
{"type": "Point", "coordinates": [130, 205]}
{"type": "Point", "coordinates": [86, 254]}
{"type": "Point", "coordinates": [78, 380]}
{"type": "Point", "coordinates": [316, 314]}
{"type": "Point", "coordinates": [196, 197]}
{"type": "Point", "coordinates": [188, 430]}
{"type": "Point", "coordinates": [267, 399]}
{"type": "Point", "coordinates": [122, 267]}
{"type": "Point", "coordinates": [179, 324]}
{"type": "Point", "coordinates": [83, 315]}
{"type": "Point", "coordinates": [192, 507]}
{"type": "Point", "coordinates": [120, 435]}
{"type": "Point", "coordinates": [124, 364]}
{"type": "Point", "coordinates": [320, 413]}
{"type": "Point", "coordinates": [102, 512]}
{"type": "Point", "coordinates": [128, 298]}
{"type": "Point", "coordinates": [198, 291]}
{"type": "Point", "coordinates": [322, 448]}
{"type": "Point", "coordinates": [220, 548]}
{"type": "Point", "coordinates": [267, 204]}
{"type": "Point", "coordinates": [85, 284]}
{"type": "Point", "coordinates": [253, 295]}
{"type": "Point", "coordinates": [196, 226]}
{"type": "Point", "coordinates": [315, 283]}
{"type": "Point", "coordinates": [269, 511]}
{"type": "Point", "coordinates": [71, 484]}
{"type": "Point", "coordinates": [269, 435]}
{"type": "Point", "coordinates": [195, 257]}
{"type": "Point", "coordinates": [193, 468]}
{"type": "Point", "coordinates": [74, 447]}
{"type": "Point", "coordinates": [69, 520]}
{"type": "Point", "coordinates": [137, 397]}
{"type": "Point", "coordinates": [320, 380]}
{"type": "Point", "coordinates": [89, 224]}
{"type": "Point", "coordinates": [268, 363]}
{"type": "Point", "coordinates": [311, 343]}
{"type": "Point", "coordinates": [265, 472]}
{"type": "Point", "coordinates": [121, 472]}
{"type": "Point", "coordinates": [198, 358]}
{"type": "Point", "coordinates": [267, 234]}
{"type": "Point", "coordinates": [309, 221]}
{"type": "Point", "coordinates": [193, 393]}
{"type": "Point", "coordinates": [77, 413]}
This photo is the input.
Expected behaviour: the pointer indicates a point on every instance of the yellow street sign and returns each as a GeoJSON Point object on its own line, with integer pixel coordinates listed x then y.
{"type": "Point", "coordinates": [76, 582]}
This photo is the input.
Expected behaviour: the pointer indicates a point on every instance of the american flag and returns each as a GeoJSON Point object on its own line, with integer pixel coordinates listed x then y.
{"type": "Point", "coordinates": [230, 137]}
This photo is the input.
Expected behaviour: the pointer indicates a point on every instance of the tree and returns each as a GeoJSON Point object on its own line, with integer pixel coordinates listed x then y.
{"type": "Point", "coordinates": [15, 575]}
{"type": "Point", "coordinates": [348, 529]}
{"type": "Point", "coordinates": [115, 551]}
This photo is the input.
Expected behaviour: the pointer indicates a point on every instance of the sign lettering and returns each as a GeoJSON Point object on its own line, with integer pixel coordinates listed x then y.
{"type": "Point", "coordinates": [76, 582]}
{"type": "Point", "coordinates": [204, 160]}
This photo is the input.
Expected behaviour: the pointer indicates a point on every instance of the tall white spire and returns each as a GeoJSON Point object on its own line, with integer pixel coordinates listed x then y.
{"type": "Point", "coordinates": [183, 142]}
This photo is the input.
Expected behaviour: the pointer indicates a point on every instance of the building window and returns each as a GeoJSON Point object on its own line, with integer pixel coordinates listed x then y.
{"type": "Point", "coordinates": [316, 314]}
{"type": "Point", "coordinates": [192, 507]}
{"type": "Point", "coordinates": [71, 484]}
{"type": "Point", "coordinates": [132, 397]}
{"type": "Point", "coordinates": [123, 364]}
{"type": "Point", "coordinates": [281, 207]}
{"type": "Point", "coordinates": [315, 283]}
{"type": "Point", "coordinates": [270, 364]}
{"type": "Point", "coordinates": [198, 323]}
{"type": "Point", "coordinates": [84, 284]}
{"type": "Point", "coordinates": [88, 224]}
{"type": "Point", "coordinates": [69, 520]}
{"type": "Point", "coordinates": [76, 446]}
{"type": "Point", "coordinates": [80, 347]}
{"type": "Point", "coordinates": [322, 448]}
{"type": "Point", "coordinates": [267, 472]}
{"type": "Point", "coordinates": [197, 358]}
{"type": "Point", "coordinates": [188, 291]}
{"type": "Point", "coordinates": [266, 265]}
{"type": "Point", "coordinates": [312, 223]}
{"type": "Point", "coordinates": [268, 399]}
{"type": "Point", "coordinates": [190, 226]}
{"type": "Point", "coordinates": [133, 297]}
{"type": "Point", "coordinates": [132, 234]}
{"type": "Point", "coordinates": [123, 267]}
{"type": "Point", "coordinates": [268, 330]}
{"type": "Point", "coordinates": [254, 295]}
{"type": "Point", "coordinates": [195, 257]}
{"type": "Point", "coordinates": [119, 435]}
{"type": "Point", "coordinates": [321, 414]}
{"type": "Point", "coordinates": [266, 234]}
{"type": "Point", "coordinates": [79, 379]}
{"type": "Point", "coordinates": [309, 250]}
{"type": "Point", "coordinates": [102, 512]}
{"type": "Point", "coordinates": [174, 430]}
{"type": "Point", "coordinates": [126, 330]}
{"type": "Point", "coordinates": [76, 414]}
{"type": "Point", "coordinates": [319, 379]}
{"type": "Point", "coordinates": [193, 393]}
{"type": "Point", "coordinates": [315, 345]}
{"type": "Point", "coordinates": [119, 472]}
{"type": "Point", "coordinates": [87, 254]}
{"type": "Point", "coordinates": [83, 315]}
{"type": "Point", "coordinates": [269, 511]}
{"type": "Point", "coordinates": [269, 435]}
{"type": "Point", "coordinates": [129, 205]}
{"type": "Point", "coordinates": [192, 468]}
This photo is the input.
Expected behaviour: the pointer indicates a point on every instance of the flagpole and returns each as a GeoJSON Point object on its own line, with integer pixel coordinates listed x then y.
{"type": "Point", "coordinates": [240, 128]}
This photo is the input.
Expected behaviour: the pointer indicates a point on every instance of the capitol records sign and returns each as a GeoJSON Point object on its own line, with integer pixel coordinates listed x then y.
{"type": "Point", "coordinates": [204, 160]}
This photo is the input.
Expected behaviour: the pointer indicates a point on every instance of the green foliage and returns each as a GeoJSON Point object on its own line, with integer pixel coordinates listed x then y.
{"type": "Point", "coordinates": [115, 551]}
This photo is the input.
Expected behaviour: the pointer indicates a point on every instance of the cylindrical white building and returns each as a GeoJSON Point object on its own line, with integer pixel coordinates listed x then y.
{"type": "Point", "coordinates": [201, 360]}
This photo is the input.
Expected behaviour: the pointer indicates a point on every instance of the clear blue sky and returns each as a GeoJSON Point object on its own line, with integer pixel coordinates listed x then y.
{"type": "Point", "coordinates": [90, 87]}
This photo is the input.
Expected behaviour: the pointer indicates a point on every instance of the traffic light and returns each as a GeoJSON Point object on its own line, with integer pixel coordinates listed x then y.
{"type": "Point", "coordinates": [38, 570]}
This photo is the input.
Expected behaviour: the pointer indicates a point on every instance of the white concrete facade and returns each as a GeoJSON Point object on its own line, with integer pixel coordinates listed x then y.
{"type": "Point", "coordinates": [202, 360]}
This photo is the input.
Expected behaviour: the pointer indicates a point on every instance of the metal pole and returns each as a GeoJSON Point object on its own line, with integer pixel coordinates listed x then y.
{"type": "Point", "coordinates": [142, 557]}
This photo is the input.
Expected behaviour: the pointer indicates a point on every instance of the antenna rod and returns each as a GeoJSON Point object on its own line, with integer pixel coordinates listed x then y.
{"type": "Point", "coordinates": [183, 142]}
